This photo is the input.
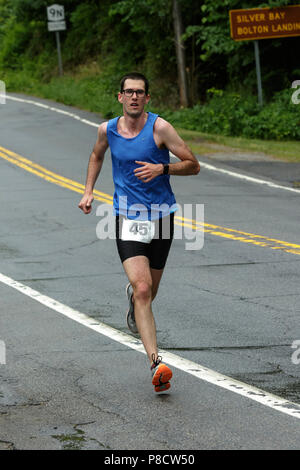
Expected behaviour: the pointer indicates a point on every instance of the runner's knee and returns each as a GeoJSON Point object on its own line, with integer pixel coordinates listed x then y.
{"type": "Point", "coordinates": [142, 291]}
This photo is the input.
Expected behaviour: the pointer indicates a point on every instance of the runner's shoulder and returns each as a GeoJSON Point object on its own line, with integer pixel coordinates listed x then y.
{"type": "Point", "coordinates": [162, 126]}
{"type": "Point", "coordinates": [102, 130]}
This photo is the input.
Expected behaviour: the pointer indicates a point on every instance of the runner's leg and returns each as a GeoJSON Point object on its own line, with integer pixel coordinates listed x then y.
{"type": "Point", "coordinates": [156, 275]}
{"type": "Point", "coordinates": [159, 250]}
{"type": "Point", "coordinates": [139, 274]}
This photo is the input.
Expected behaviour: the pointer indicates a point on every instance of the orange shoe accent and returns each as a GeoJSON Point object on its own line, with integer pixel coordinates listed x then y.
{"type": "Point", "coordinates": [162, 375]}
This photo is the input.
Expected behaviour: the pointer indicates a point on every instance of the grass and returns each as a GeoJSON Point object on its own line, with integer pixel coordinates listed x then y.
{"type": "Point", "coordinates": [201, 143]}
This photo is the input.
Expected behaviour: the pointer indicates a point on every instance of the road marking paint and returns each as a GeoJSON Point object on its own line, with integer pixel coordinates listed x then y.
{"type": "Point", "coordinates": [234, 234]}
{"type": "Point", "coordinates": [48, 175]}
{"type": "Point", "coordinates": [207, 166]}
{"type": "Point", "coordinates": [216, 230]}
{"type": "Point", "coordinates": [197, 370]}
{"type": "Point", "coordinates": [52, 108]}
{"type": "Point", "coordinates": [250, 179]}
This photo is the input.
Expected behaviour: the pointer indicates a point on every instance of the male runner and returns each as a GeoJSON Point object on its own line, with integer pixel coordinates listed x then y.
{"type": "Point", "coordinates": [144, 203]}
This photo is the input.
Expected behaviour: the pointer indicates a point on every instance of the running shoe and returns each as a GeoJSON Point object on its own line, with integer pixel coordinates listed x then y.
{"type": "Point", "coordinates": [161, 374]}
{"type": "Point", "coordinates": [130, 313]}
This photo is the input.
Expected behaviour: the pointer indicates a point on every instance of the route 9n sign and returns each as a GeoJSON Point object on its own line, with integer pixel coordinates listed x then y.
{"type": "Point", "coordinates": [56, 12]}
{"type": "Point", "coordinates": [56, 16]}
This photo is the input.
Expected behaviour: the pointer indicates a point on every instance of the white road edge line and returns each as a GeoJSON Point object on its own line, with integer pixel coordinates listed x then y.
{"type": "Point", "coordinates": [207, 166]}
{"type": "Point", "coordinates": [192, 368]}
{"type": "Point", "coordinates": [52, 108]}
{"type": "Point", "coordinates": [251, 179]}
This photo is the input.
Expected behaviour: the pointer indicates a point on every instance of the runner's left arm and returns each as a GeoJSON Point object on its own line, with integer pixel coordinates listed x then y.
{"type": "Point", "coordinates": [167, 137]}
{"type": "Point", "coordinates": [188, 164]}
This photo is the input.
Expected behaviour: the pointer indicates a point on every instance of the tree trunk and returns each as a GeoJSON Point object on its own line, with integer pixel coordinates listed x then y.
{"type": "Point", "coordinates": [180, 54]}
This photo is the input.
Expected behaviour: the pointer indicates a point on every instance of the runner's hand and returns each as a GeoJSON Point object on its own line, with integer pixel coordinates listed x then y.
{"type": "Point", "coordinates": [148, 171]}
{"type": "Point", "coordinates": [86, 203]}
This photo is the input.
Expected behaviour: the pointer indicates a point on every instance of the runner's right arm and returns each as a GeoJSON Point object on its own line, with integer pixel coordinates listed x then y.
{"type": "Point", "coordinates": [94, 168]}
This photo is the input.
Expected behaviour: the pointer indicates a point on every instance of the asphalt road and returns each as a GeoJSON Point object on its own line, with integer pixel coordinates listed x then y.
{"type": "Point", "coordinates": [231, 306]}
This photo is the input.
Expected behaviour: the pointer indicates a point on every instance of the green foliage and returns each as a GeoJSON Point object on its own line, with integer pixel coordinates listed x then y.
{"type": "Point", "coordinates": [86, 92]}
{"type": "Point", "coordinates": [147, 26]}
{"type": "Point", "coordinates": [233, 114]}
{"type": "Point", "coordinates": [212, 35]}
{"type": "Point", "coordinates": [279, 120]}
{"type": "Point", "coordinates": [121, 35]}
{"type": "Point", "coordinates": [215, 22]}
{"type": "Point", "coordinates": [17, 37]}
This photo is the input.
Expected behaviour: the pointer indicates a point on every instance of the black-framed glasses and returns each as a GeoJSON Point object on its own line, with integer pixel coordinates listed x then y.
{"type": "Point", "coordinates": [129, 93]}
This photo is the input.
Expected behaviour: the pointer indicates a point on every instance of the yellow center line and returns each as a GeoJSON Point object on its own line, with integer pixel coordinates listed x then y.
{"type": "Point", "coordinates": [264, 241]}
{"type": "Point", "coordinates": [48, 175]}
{"type": "Point", "coordinates": [216, 230]}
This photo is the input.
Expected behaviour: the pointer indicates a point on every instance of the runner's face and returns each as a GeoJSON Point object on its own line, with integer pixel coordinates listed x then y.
{"type": "Point", "coordinates": [134, 105]}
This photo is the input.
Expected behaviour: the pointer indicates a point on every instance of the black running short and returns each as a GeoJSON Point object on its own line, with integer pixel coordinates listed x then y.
{"type": "Point", "coordinates": [156, 251]}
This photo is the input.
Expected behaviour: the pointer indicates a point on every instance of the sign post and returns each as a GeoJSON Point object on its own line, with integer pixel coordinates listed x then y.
{"type": "Point", "coordinates": [258, 73]}
{"type": "Point", "coordinates": [264, 23]}
{"type": "Point", "coordinates": [60, 67]}
{"type": "Point", "coordinates": [56, 23]}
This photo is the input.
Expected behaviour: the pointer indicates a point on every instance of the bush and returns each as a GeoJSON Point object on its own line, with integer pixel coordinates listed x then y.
{"type": "Point", "coordinates": [232, 114]}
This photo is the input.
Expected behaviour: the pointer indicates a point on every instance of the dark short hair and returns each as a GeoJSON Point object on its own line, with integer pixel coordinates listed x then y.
{"type": "Point", "coordinates": [134, 76]}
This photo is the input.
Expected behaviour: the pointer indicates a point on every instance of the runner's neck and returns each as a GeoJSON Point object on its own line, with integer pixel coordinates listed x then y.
{"type": "Point", "coordinates": [130, 127]}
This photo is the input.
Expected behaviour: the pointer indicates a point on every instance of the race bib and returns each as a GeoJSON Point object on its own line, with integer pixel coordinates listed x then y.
{"type": "Point", "coordinates": [138, 230]}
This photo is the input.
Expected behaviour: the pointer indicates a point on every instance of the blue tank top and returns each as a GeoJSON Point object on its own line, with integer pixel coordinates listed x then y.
{"type": "Point", "coordinates": [134, 198]}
